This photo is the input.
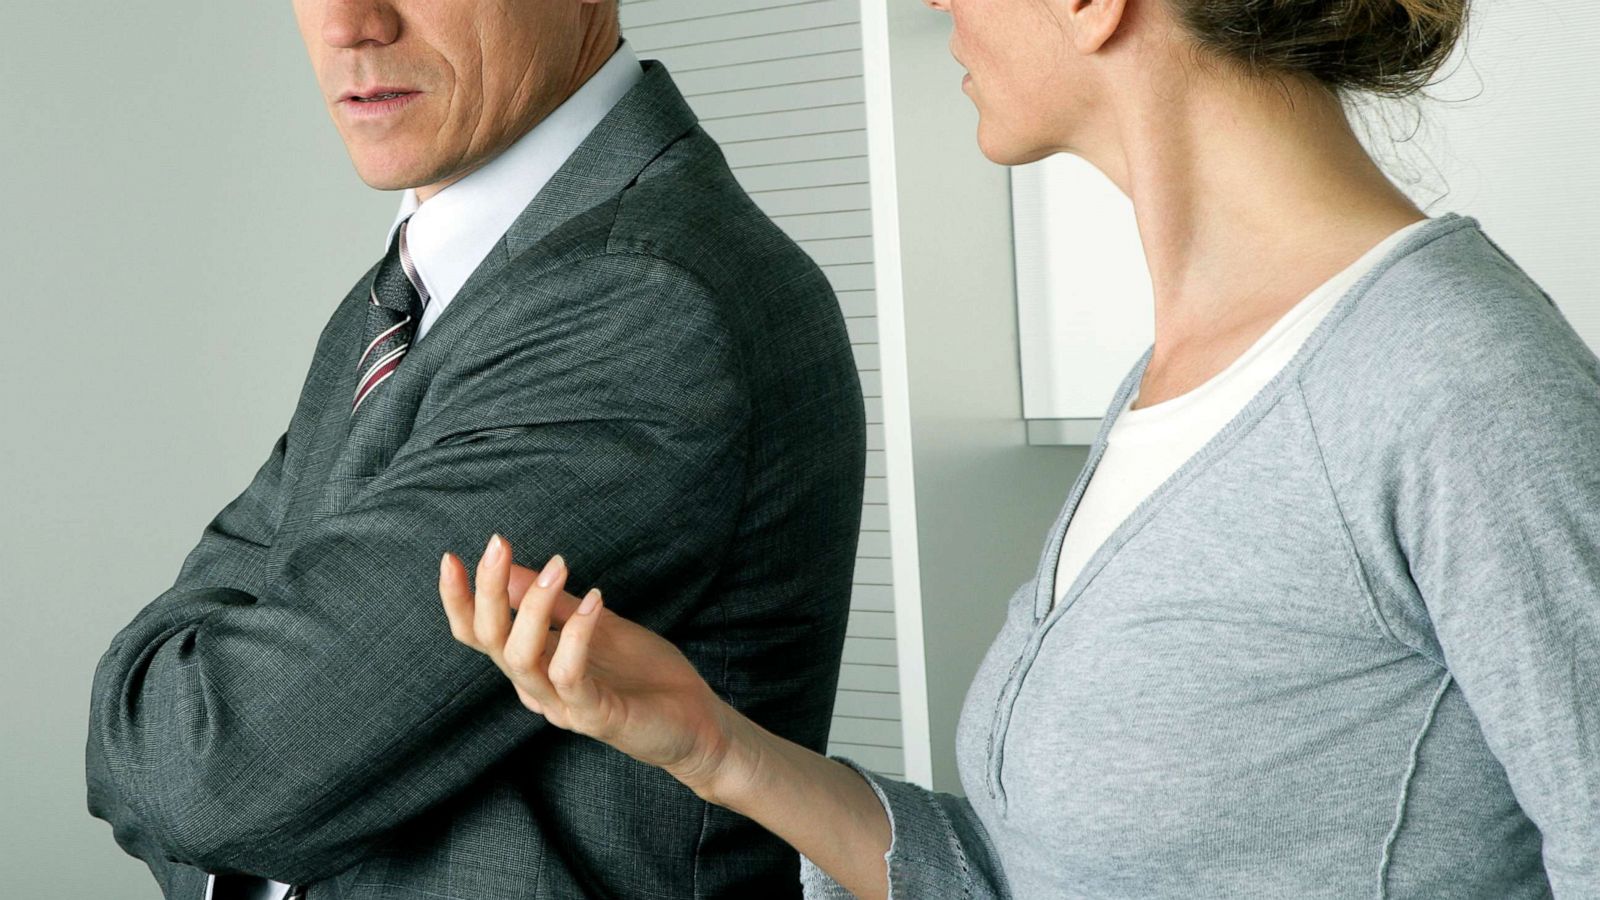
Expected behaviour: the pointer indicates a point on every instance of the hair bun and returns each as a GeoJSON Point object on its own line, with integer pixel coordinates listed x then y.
{"type": "Point", "coordinates": [1390, 47]}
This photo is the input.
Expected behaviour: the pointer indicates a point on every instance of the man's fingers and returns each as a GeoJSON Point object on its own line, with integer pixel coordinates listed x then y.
{"type": "Point", "coordinates": [456, 595]}
{"type": "Point", "coordinates": [491, 608]}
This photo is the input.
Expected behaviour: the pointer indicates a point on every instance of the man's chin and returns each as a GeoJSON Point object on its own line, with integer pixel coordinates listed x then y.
{"type": "Point", "coordinates": [387, 178]}
{"type": "Point", "coordinates": [386, 165]}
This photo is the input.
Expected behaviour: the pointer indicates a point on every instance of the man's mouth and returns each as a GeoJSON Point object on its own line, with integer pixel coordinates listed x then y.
{"type": "Point", "coordinates": [376, 93]}
{"type": "Point", "coordinates": [379, 103]}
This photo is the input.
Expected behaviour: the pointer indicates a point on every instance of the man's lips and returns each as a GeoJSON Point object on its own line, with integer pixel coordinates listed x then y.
{"type": "Point", "coordinates": [374, 91]}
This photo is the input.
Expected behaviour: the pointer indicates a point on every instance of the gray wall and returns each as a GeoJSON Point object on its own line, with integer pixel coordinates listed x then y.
{"type": "Point", "coordinates": [178, 218]}
{"type": "Point", "coordinates": [985, 498]}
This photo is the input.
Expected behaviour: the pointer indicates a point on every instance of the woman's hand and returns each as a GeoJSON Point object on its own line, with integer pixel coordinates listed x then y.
{"type": "Point", "coordinates": [589, 670]}
{"type": "Point", "coordinates": [609, 678]}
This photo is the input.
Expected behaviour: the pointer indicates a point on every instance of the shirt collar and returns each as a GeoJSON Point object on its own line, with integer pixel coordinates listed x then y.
{"type": "Point", "coordinates": [452, 232]}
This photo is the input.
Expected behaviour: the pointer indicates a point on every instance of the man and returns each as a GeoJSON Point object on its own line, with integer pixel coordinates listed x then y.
{"type": "Point", "coordinates": [583, 336]}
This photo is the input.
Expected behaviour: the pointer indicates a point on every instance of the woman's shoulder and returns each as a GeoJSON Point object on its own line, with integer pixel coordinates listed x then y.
{"type": "Point", "coordinates": [1447, 326]}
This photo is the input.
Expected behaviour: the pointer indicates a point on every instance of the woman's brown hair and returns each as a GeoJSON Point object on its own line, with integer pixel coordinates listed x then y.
{"type": "Point", "coordinates": [1386, 47]}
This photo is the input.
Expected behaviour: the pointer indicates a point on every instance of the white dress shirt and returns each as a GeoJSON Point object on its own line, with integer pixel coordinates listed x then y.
{"type": "Point", "coordinates": [1145, 446]}
{"type": "Point", "coordinates": [453, 231]}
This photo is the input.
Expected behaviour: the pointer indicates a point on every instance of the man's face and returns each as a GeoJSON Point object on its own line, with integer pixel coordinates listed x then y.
{"type": "Point", "coordinates": [474, 75]}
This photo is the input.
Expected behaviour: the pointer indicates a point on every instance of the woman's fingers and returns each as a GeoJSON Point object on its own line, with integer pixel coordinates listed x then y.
{"type": "Point", "coordinates": [456, 595]}
{"type": "Point", "coordinates": [570, 663]}
{"type": "Point", "coordinates": [491, 609]}
{"type": "Point", "coordinates": [548, 675]}
{"type": "Point", "coordinates": [524, 652]}
{"type": "Point", "coordinates": [523, 578]}
{"type": "Point", "coordinates": [528, 700]}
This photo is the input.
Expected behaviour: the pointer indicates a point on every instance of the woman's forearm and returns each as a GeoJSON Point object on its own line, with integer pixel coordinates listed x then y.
{"type": "Point", "coordinates": [623, 684]}
{"type": "Point", "coordinates": [820, 806]}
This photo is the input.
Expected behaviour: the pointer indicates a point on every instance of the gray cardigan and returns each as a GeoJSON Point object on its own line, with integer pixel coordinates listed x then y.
{"type": "Point", "coordinates": [1351, 648]}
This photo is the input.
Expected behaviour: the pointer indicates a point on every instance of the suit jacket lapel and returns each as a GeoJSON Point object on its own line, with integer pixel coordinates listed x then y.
{"type": "Point", "coordinates": [331, 386]}
{"type": "Point", "coordinates": [644, 122]}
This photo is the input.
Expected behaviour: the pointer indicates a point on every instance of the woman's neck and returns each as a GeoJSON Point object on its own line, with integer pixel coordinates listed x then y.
{"type": "Point", "coordinates": [1246, 201]}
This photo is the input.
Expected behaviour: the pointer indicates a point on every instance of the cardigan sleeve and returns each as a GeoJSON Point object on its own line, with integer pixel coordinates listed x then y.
{"type": "Point", "coordinates": [938, 847]}
{"type": "Point", "coordinates": [1499, 515]}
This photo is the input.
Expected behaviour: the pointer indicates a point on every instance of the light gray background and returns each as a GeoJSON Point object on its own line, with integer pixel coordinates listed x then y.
{"type": "Point", "coordinates": [176, 218]}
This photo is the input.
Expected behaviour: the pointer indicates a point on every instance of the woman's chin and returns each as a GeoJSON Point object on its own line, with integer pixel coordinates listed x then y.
{"type": "Point", "coordinates": [1006, 150]}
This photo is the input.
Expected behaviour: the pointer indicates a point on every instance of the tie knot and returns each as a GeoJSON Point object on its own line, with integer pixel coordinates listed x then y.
{"type": "Point", "coordinates": [397, 286]}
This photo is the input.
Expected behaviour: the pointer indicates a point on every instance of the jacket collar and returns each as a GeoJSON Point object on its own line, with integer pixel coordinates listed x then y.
{"type": "Point", "coordinates": [642, 124]}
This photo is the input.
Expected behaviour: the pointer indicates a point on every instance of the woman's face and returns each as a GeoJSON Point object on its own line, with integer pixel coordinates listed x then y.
{"type": "Point", "coordinates": [1029, 84]}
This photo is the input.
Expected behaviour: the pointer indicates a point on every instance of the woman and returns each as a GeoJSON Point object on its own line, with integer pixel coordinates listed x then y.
{"type": "Point", "coordinates": [1321, 617]}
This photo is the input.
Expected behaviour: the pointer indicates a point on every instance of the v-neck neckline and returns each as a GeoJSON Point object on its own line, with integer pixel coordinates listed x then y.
{"type": "Point", "coordinates": [1258, 405]}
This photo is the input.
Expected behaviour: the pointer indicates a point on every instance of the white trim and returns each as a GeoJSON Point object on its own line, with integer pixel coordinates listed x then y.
{"type": "Point", "coordinates": [916, 734]}
{"type": "Point", "coordinates": [380, 362]}
{"type": "Point", "coordinates": [370, 390]}
{"type": "Point", "coordinates": [377, 340]}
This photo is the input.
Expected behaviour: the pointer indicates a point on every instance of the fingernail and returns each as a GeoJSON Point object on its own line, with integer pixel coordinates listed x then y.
{"type": "Point", "coordinates": [492, 553]}
{"type": "Point", "coordinates": [547, 575]}
{"type": "Point", "coordinates": [590, 601]}
{"type": "Point", "coordinates": [444, 563]}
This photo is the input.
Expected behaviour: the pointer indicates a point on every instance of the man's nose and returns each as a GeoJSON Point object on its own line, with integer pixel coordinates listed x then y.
{"type": "Point", "coordinates": [350, 23]}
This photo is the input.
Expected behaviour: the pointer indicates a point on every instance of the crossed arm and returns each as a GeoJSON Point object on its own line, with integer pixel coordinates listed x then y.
{"type": "Point", "coordinates": [282, 722]}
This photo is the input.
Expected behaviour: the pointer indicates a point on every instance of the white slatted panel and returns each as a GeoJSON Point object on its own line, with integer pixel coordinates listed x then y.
{"type": "Point", "coordinates": [778, 84]}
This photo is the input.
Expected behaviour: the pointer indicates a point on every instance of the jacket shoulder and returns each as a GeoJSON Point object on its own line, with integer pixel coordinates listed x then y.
{"type": "Point", "coordinates": [687, 207]}
{"type": "Point", "coordinates": [685, 211]}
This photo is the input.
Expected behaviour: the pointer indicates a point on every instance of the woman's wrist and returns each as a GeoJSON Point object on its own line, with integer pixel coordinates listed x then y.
{"type": "Point", "coordinates": [727, 769]}
{"type": "Point", "coordinates": [823, 808]}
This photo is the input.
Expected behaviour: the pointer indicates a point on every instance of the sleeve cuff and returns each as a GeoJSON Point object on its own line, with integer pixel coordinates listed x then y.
{"type": "Point", "coordinates": [925, 856]}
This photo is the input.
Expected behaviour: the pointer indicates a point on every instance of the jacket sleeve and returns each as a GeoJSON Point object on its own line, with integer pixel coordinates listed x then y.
{"type": "Point", "coordinates": [283, 725]}
{"type": "Point", "coordinates": [937, 848]}
{"type": "Point", "coordinates": [230, 553]}
{"type": "Point", "coordinates": [1499, 518]}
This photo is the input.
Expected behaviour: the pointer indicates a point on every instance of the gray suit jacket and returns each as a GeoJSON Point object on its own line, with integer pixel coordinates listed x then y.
{"type": "Point", "coordinates": [646, 376]}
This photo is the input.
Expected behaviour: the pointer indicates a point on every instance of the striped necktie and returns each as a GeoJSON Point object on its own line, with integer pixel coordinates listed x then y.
{"type": "Point", "coordinates": [398, 299]}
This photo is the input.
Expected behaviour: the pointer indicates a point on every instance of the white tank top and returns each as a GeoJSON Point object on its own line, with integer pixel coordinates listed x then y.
{"type": "Point", "coordinates": [1145, 446]}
